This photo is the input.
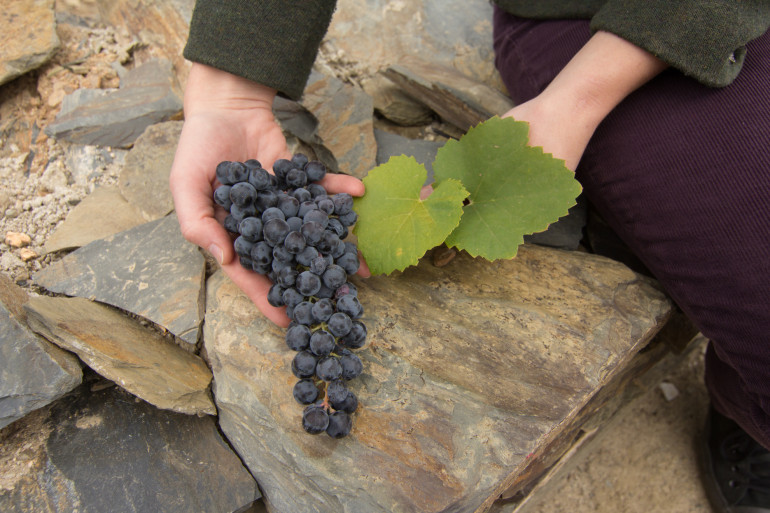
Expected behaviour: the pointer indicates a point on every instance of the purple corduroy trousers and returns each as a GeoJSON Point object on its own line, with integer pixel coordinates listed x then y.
{"type": "Point", "coordinates": [681, 172]}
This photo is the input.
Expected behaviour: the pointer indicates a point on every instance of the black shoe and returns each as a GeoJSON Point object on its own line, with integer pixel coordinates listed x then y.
{"type": "Point", "coordinates": [736, 468]}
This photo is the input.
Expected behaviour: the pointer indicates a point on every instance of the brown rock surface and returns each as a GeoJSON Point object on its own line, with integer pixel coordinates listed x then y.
{"type": "Point", "coordinates": [27, 36]}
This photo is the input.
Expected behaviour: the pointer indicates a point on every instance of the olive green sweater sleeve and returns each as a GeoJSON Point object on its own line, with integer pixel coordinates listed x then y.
{"type": "Point", "coordinates": [272, 42]}
{"type": "Point", "coordinates": [704, 39]}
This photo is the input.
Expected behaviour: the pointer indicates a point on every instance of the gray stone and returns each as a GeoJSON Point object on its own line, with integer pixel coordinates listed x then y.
{"type": "Point", "coordinates": [468, 369]}
{"type": "Point", "coordinates": [297, 121]}
{"type": "Point", "coordinates": [149, 270]}
{"type": "Point", "coordinates": [345, 124]}
{"type": "Point", "coordinates": [33, 372]}
{"type": "Point", "coordinates": [379, 33]}
{"type": "Point", "coordinates": [391, 102]}
{"type": "Point", "coordinates": [390, 145]}
{"type": "Point", "coordinates": [144, 178]}
{"type": "Point", "coordinates": [88, 221]}
{"type": "Point", "coordinates": [566, 232]}
{"type": "Point", "coordinates": [461, 101]}
{"type": "Point", "coordinates": [121, 349]}
{"type": "Point", "coordinates": [99, 449]}
{"type": "Point", "coordinates": [86, 162]}
{"type": "Point", "coordinates": [116, 117]}
{"type": "Point", "coordinates": [27, 36]}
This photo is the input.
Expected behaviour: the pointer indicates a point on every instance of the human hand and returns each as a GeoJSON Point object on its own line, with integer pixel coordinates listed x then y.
{"type": "Point", "coordinates": [565, 115]}
{"type": "Point", "coordinates": [229, 118]}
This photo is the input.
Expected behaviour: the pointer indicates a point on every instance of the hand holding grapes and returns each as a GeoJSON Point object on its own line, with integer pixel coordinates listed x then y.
{"type": "Point", "coordinates": [228, 118]}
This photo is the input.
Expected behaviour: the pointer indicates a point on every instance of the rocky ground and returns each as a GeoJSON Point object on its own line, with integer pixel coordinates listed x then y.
{"type": "Point", "coordinates": [643, 461]}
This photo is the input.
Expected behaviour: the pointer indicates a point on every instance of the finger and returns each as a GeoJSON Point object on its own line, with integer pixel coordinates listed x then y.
{"type": "Point", "coordinates": [337, 182]}
{"type": "Point", "coordinates": [363, 268]}
{"type": "Point", "coordinates": [256, 287]}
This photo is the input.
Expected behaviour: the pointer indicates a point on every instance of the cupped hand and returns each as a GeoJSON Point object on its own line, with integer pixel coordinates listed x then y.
{"type": "Point", "coordinates": [229, 118]}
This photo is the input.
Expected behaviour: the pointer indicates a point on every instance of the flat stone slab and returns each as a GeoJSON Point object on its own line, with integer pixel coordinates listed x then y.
{"type": "Point", "coordinates": [87, 222]}
{"type": "Point", "coordinates": [117, 117]}
{"type": "Point", "coordinates": [99, 449]}
{"type": "Point", "coordinates": [119, 348]}
{"type": "Point", "coordinates": [144, 178]}
{"type": "Point", "coordinates": [149, 270]}
{"type": "Point", "coordinates": [33, 372]}
{"type": "Point", "coordinates": [469, 369]}
{"type": "Point", "coordinates": [27, 36]}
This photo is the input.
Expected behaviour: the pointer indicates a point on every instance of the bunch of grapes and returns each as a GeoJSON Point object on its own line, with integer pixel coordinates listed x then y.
{"type": "Point", "coordinates": [290, 230]}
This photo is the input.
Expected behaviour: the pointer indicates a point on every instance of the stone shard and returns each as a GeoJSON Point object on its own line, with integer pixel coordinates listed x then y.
{"type": "Point", "coordinates": [116, 117]}
{"type": "Point", "coordinates": [33, 372]}
{"type": "Point", "coordinates": [469, 368]}
{"type": "Point", "coordinates": [390, 145]}
{"type": "Point", "coordinates": [144, 178]}
{"type": "Point", "coordinates": [379, 33]}
{"type": "Point", "coordinates": [345, 124]}
{"type": "Point", "coordinates": [119, 348]}
{"type": "Point", "coordinates": [461, 101]}
{"type": "Point", "coordinates": [27, 36]}
{"type": "Point", "coordinates": [148, 270]}
{"type": "Point", "coordinates": [394, 104]}
{"type": "Point", "coordinates": [100, 449]}
{"type": "Point", "coordinates": [87, 222]}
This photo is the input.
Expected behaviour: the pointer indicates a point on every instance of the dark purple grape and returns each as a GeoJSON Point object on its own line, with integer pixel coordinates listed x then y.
{"type": "Point", "coordinates": [336, 391]}
{"type": "Point", "coordinates": [240, 213]}
{"type": "Point", "coordinates": [322, 310]}
{"type": "Point", "coordinates": [272, 213]}
{"type": "Point", "coordinates": [328, 368]}
{"type": "Point", "coordinates": [287, 276]}
{"type": "Point", "coordinates": [349, 219]}
{"type": "Point", "coordinates": [222, 196]}
{"type": "Point", "coordinates": [296, 178]}
{"type": "Point", "coordinates": [356, 337]}
{"type": "Point", "coordinates": [243, 246]}
{"type": "Point", "coordinates": [352, 367]}
{"type": "Point", "coordinates": [303, 313]}
{"type": "Point", "coordinates": [315, 171]}
{"type": "Point", "coordinates": [343, 203]}
{"type": "Point", "coordinates": [259, 178]}
{"type": "Point", "coordinates": [313, 232]}
{"type": "Point", "coordinates": [298, 337]}
{"type": "Point", "coordinates": [261, 253]}
{"type": "Point", "coordinates": [349, 405]}
{"type": "Point", "coordinates": [281, 167]}
{"type": "Point", "coordinates": [303, 365]}
{"type": "Point", "coordinates": [237, 172]}
{"type": "Point", "coordinates": [266, 199]}
{"type": "Point", "coordinates": [275, 295]}
{"type": "Point", "coordinates": [319, 265]}
{"type": "Point", "coordinates": [291, 297]}
{"type": "Point", "coordinates": [289, 205]}
{"type": "Point", "coordinates": [222, 172]}
{"type": "Point", "coordinates": [316, 190]}
{"type": "Point", "coordinates": [305, 391]}
{"type": "Point", "coordinates": [338, 228]}
{"type": "Point", "coordinates": [231, 224]}
{"type": "Point", "coordinates": [339, 324]}
{"type": "Point", "coordinates": [316, 216]}
{"type": "Point", "coordinates": [349, 262]}
{"type": "Point", "coordinates": [326, 204]}
{"type": "Point", "coordinates": [294, 242]}
{"type": "Point", "coordinates": [351, 306]}
{"type": "Point", "coordinates": [321, 343]}
{"type": "Point", "coordinates": [308, 284]}
{"type": "Point", "coordinates": [344, 290]}
{"type": "Point", "coordinates": [306, 256]}
{"type": "Point", "coordinates": [282, 254]}
{"type": "Point", "coordinates": [334, 276]}
{"type": "Point", "coordinates": [315, 419]}
{"type": "Point", "coordinates": [250, 228]}
{"type": "Point", "coordinates": [275, 231]}
{"type": "Point", "coordinates": [339, 425]}
{"type": "Point", "coordinates": [305, 207]}
{"type": "Point", "coordinates": [302, 195]}
{"type": "Point", "coordinates": [243, 194]}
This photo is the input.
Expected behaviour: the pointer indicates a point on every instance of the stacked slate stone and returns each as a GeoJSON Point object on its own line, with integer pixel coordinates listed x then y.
{"type": "Point", "coordinates": [289, 229]}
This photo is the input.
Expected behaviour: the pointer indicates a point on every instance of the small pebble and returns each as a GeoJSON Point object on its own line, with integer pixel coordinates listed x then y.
{"type": "Point", "coordinates": [17, 240]}
{"type": "Point", "coordinates": [669, 390]}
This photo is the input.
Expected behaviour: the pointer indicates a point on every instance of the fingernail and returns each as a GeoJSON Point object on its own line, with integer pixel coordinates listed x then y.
{"type": "Point", "coordinates": [216, 252]}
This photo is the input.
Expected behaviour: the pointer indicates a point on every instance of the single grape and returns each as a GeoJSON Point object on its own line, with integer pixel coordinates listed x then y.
{"type": "Point", "coordinates": [315, 419]}
{"type": "Point", "coordinates": [326, 204]}
{"type": "Point", "coordinates": [222, 196]}
{"type": "Point", "coordinates": [307, 283]}
{"type": "Point", "coordinates": [292, 297]}
{"type": "Point", "coordinates": [300, 160]}
{"type": "Point", "coordinates": [295, 223]}
{"type": "Point", "coordinates": [321, 343]}
{"type": "Point", "coordinates": [222, 172]}
{"type": "Point", "coordinates": [339, 424]}
{"type": "Point", "coordinates": [298, 337]}
{"type": "Point", "coordinates": [303, 313]}
{"type": "Point", "coordinates": [302, 194]}
{"type": "Point", "coordinates": [339, 324]}
{"type": "Point", "coordinates": [261, 253]}
{"type": "Point", "coordinates": [243, 194]}
{"type": "Point", "coordinates": [296, 178]}
{"type": "Point", "coordinates": [312, 231]}
{"type": "Point", "coordinates": [259, 178]}
{"type": "Point", "coordinates": [349, 405]}
{"type": "Point", "coordinates": [343, 203]}
{"type": "Point", "coordinates": [344, 290]}
{"type": "Point", "coordinates": [319, 265]}
{"type": "Point", "coordinates": [338, 228]}
{"type": "Point", "coordinates": [305, 391]}
{"type": "Point", "coordinates": [237, 172]}
{"type": "Point", "coordinates": [349, 262]}
{"type": "Point", "coordinates": [282, 254]}
{"type": "Point", "coordinates": [275, 295]}
{"type": "Point", "coordinates": [306, 206]}
{"type": "Point", "coordinates": [306, 256]}
{"type": "Point", "coordinates": [328, 368]}
{"type": "Point", "coordinates": [231, 224]}
{"type": "Point", "coordinates": [289, 205]}
{"type": "Point", "coordinates": [294, 242]}
{"type": "Point", "coordinates": [352, 366]}
{"type": "Point", "coordinates": [272, 213]}
{"type": "Point", "coordinates": [287, 275]}
{"type": "Point", "coordinates": [266, 199]}
{"type": "Point", "coordinates": [304, 364]}
{"type": "Point", "coordinates": [250, 228]}
{"type": "Point", "coordinates": [242, 246]}
{"type": "Point", "coordinates": [324, 292]}
{"type": "Point", "coordinates": [349, 219]}
{"type": "Point", "coordinates": [240, 213]}
{"type": "Point", "coordinates": [351, 306]}
{"type": "Point", "coordinates": [316, 190]}
{"type": "Point", "coordinates": [328, 242]}
{"type": "Point", "coordinates": [316, 216]}
{"type": "Point", "coordinates": [336, 391]}
{"type": "Point", "coordinates": [281, 167]}
{"type": "Point", "coordinates": [322, 310]}
{"type": "Point", "coordinates": [334, 276]}
{"type": "Point", "coordinates": [315, 171]}
{"type": "Point", "coordinates": [275, 231]}
{"type": "Point", "coordinates": [356, 337]}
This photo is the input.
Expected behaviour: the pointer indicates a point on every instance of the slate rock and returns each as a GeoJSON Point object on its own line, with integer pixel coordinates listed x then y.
{"type": "Point", "coordinates": [297, 121]}
{"type": "Point", "coordinates": [144, 178]}
{"type": "Point", "coordinates": [33, 372]}
{"type": "Point", "coordinates": [467, 370]}
{"type": "Point", "coordinates": [28, 36]}
{"type": "Point", "coordinates": [566, 232]}
{"type": "Point", "coordinates": [458, 100]}
{"type": "Point", "coordinates": [389, 145]}
{"type": "Point", "coordinates": [116, 117]}
{"type": "Point", "coordinates": [345, 125]}
{"type": "Point", "coordinates": [122, 350]}
{"type": "Point", "coordinates": [379, 33]}
{"type": "Point", "coordinates": [102, 213]}
{"type": "Point", "coordinates": [99, 449]}
{"type": "Point", "coordinates": [392, 103]}
{"type": "Point", "coordinates": [149, 270]}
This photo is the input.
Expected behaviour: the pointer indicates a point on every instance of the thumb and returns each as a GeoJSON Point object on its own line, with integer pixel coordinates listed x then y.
{"type": "Point", "coordinates": [207, 233]}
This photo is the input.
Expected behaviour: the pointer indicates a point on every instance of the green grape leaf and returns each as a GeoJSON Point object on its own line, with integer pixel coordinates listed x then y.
{"type": "Point", "coordinates": [395, 227]}
{"type": "Point", "coordinates": [515, 189]}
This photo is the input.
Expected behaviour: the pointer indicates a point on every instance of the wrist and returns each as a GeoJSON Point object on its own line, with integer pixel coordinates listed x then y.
{"type": "Point", "coordinates": [209, 87]}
